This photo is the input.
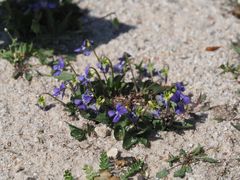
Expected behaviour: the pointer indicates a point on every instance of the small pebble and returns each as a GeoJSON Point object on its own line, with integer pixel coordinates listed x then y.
{"type": "Point", "coordinates": [113, 152]}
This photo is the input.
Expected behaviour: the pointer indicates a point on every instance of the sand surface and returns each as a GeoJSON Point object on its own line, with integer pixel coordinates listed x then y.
{"type": "Point", "coordinates": [36, 144]}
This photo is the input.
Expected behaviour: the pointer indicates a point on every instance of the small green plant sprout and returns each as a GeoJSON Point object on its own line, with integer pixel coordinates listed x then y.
{"type": "Point", "coordinates": [114, 169]}
{"type": "Point", "coordinates": [184, 160]}
{"type": "Point", "coordinates": [234, 69]}
{"type": "Point", "coordinates": [68, 175]}
{"type": "Point", "coordinates": [19, 53]}
{"type": "Point", "coordinates": [135, 107]}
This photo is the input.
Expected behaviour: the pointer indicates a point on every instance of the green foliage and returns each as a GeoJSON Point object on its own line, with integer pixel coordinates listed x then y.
{"type": "Point", "coordinates": [234, 69]}
{"type": "Point", "coordinates": [19, 53]}
{"type": "Point", "coordinates": [90, 173]}
{"type": "Point", "coordinates": [77, 133]}
{"type": "Point", "coordinates": [68, 175]}
{"type": "Point", "coordinates": [237, 126]}
{"type": "Point", "coordinates": [132, 170]}
{"type": "Point", "coordinates": [184, 159]}
{"type": "Point", "coordinates": [104, 161]}
{"type": "Point", "coordinates": [108, 171]}
{"type": "Point", "coordinates": [25, 22]}
{"type": "Point", "coordinates": [162, 174]}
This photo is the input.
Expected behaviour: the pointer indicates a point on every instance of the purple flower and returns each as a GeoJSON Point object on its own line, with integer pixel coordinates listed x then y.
{"type": "Point", "coordinates": [120, 110]}
{"type": "Point", "coordinates": [79, 103]}
{"type": "Point", "coordinates": [161, 101]}
{"type": "Point", "coordinates": [103, 66]}
{"type": "Point", "coordinates": [180, 100]}
{"type": "Point", "coordinates": [118, 68]}
{"type": "Point", "coordinates": [156, 113]}
{"type": "Point", "coordinates": [42, 4]}
{"type": "Point", "coordinates": [85, 79]}
{"type": "Point", "coordinates": [60, 90]}
{"type": "Point", "coordinates": [85, 100]}
{"type": "Point", "coordinates": [85, 48]}
{"type": "Point", "coordinates": [58, 68]}
{"type": "Point", "coordinates": [124, 57]}
{"type": "Point", "coordinates": [87, 97]}
{"type": "Point", "coordinates": [180, 86]}
{"type": "Point", "coordinates": [133, 116]}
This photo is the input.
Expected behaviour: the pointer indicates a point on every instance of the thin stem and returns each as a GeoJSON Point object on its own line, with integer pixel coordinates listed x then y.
{"type": "Point", "coordinates": [64, 104]}
{"type": "Point", "coordinates": [98, 75]}
{"type": "Point", "coordinates": [72, 68]}
{"type": "Point", "coordinates": [134, 80]}
{"type": "Point", "coordinates": [111, 66]}
{"type": "Point", "coordinates": [99, 60]}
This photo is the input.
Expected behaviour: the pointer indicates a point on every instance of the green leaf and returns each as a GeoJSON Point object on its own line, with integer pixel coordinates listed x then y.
{"type": "Point", "coordinates": [162, 174]}
{"type": "Point", "coordinates": [236, 48]}
{"type": "Point", "coordinates": [181, 172]}
{"type": "Point", "coordinates": [129, 141]}
{"type": "Point", "coordinates": [198, 151]}
{"type": "Point", "coordinates": [237, 126]}
{"type": "Point", "coordinates": [119, 132]}
{"type": "Point", "coordinates": [103, 118]}
{"type": "Point", "coordinates": [182, 152]}
{"type": "Point", "coordinates": [144, 141]}
{"type": "Point", "coordinates": [132, 170]}
{"type": "Point", "coordinates": [104, 161]}
{"type": "Point", "coordinates": [28, 76]}
{"type": "Point", "coordinates": [173, 159]}
{"type": "Point", "coordinates": [115, 23]}
{"type": "Point", "coordinates": [208, 159]}
{"type": "Point", "coordinates": [77, 133]}
{"type": "Point", "coordinates": [41, 101]}
{"type": "Point", "coordinates": [65, 76]}
{"type": "Point", "coordinates": [188, 169]}
{"type": "Point", "coordinates": [90, 173]}
{"type": "Point", "coordinates": [68, 175]}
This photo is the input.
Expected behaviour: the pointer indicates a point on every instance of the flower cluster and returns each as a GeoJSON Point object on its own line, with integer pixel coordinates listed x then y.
{"type": "Point", "coordinates": [136, 106]}
{"type": "Point", "coordinates": [42, 4]}
{"type": "Point", "coordinates": [58, 68]}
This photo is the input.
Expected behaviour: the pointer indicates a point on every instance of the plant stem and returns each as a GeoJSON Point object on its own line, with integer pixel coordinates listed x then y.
{"type": "Point", "coordinates": [72, 68]}
{"type": "Point", "coordinates": [64, 104]}
{"type": "Point", "coordinates": [98, 75]}
{"type": "Point", "coordinates": [99, 60]}
{"type": "Point", "coordinates": [134, 80]}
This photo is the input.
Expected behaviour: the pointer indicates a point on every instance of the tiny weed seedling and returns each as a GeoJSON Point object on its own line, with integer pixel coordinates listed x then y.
{"type": "Point", "coordinates": [134, 108]}
{"type": "Point", "coordinates": [234, 69]}
{"type": "Point", "coordinates": [19, 53]}
{"type": "Point", "coordinates": [109, 170]}
{"type": "Point", "coordinates": [68, 175]}
{"type": "Point", "coordinates": [184, 160]}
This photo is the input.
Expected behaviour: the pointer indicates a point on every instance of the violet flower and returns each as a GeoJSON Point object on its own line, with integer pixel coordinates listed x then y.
{"type": "Point", "coordinates": [58, 68]}
{"type": "Point", "coordinates": [180, 99]}
{"type": "Point", "coordinates": [85, 48]}
{"type": "Point", "coordinates": [60, 90]}
{"type": "Point", "coordinates": [118, 113]}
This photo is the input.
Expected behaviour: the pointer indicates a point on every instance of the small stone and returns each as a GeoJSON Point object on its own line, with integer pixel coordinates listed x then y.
{"type": "Point", "coordinates": [102, 131]}
{"type": "Point", "coordinates": [113, 152]}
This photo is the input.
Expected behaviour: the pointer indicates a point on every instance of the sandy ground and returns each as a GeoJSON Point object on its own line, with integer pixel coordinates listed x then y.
{"type": "Point", "coordinates": [37, 145]}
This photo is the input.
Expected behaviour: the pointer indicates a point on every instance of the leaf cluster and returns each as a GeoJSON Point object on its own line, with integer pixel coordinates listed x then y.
{"type": "Point", "coordinates": [107, 169]}
{"type": "Point", "coordinates": [19, 53]}
{"type": "Point", "coordinates": [25, 22]}
{"type": "Point", "coordinates": [184, 159]}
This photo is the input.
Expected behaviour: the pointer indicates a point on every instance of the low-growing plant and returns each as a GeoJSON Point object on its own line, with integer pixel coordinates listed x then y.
{"type": "Point", "coordinates": [19, 53]}
{"type": "Point", "coordinates": [133, 99]}
{"type": "Point", "coordinates": [31, 18]}
{"type": "Point", "coordinates": [109, 170]}
{"type": "Point", "coordinates": [184, 160]}
{"type": "Point", "coordinates": [68, 175]}
{"type": "Point", "coordinates": [234, 69]}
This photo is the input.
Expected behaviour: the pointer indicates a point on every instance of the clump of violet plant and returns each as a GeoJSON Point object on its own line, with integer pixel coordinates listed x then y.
{"type": "Point", "coordinates": [134, 108]}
